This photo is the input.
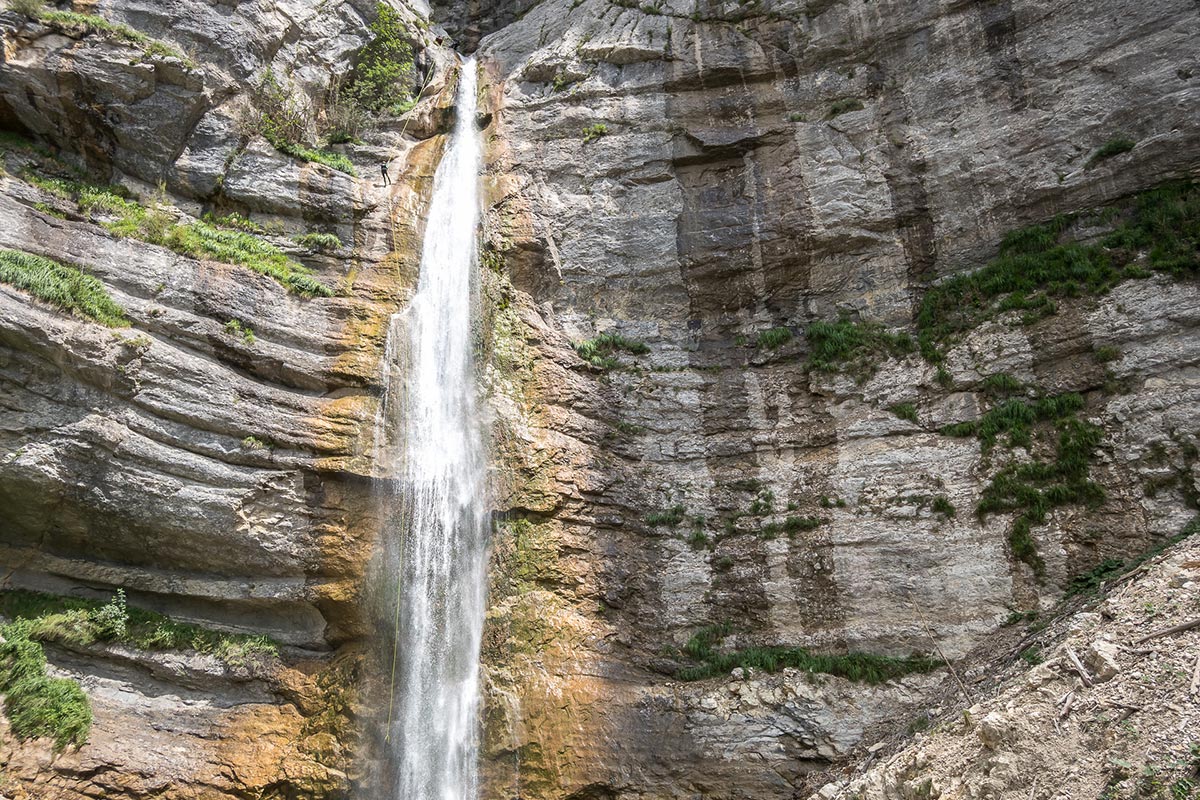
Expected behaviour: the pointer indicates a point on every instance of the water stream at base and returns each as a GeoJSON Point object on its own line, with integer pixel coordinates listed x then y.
{"type": "Point", "coordinates": [438, 539]}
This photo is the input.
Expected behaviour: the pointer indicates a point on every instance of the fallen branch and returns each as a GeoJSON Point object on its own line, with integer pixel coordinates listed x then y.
{"type": "Point", "coordinates": [961, 686]}
{"type": "Point", "coordinates": [1078, 665]}
{"type": "Point", "coordinates": [1180, 628]}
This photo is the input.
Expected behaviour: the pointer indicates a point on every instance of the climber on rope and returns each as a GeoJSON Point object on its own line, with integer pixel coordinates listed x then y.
{"type": "Point", "coordinates": [387, 179]}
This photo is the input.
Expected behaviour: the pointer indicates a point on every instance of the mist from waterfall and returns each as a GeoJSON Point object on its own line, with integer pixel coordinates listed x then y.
{"type": "Point", "coordinates": [436, 540]}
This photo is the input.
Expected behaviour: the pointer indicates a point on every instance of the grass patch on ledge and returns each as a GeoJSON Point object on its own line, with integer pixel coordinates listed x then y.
{"type": "Point", "coordinates": [601, 351]}
{"type": "Point", "coordinates": [312, 155]}
{"type": "Point", "coordinates": [37, 705]}
{"type": "Point", "coordinates": [852, 346]}
{"type": "Point", "coordinates": [223, 240]}
{"type": "Point", "coordinates": [860, 667]}
{"type": "Point", "coordinates": [72, 22]}
{"type": "Point", "coordinates": [1013, 419]}
{"type": "Point", "coordinates": [74, 621]}
{"type": "Point", "coordinates": [1159, 229]}
{"type": "Point", "coordinates": [61, 286]}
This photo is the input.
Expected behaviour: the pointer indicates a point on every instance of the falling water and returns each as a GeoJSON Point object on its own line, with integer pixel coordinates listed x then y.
{"type": "Point", "coordinates": [438, 538]}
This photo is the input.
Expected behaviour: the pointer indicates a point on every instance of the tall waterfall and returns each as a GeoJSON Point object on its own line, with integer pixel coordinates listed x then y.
{"type": "Point", "coordinates": [438, 540]}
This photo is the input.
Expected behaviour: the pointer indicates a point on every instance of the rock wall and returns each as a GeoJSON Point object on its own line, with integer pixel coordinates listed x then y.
{"type": "Point", "coordinates": [691, 176]}
{"type": "Point", "coordinates": [221, 477]}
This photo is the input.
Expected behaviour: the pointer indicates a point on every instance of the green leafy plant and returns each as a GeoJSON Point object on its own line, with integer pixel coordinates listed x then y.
{"type": "Point", "coordinates": [844, 106]}
{"type": "Point", "coordinates": [594, 131]}
{"type": "Point", "coordinates": [942, 505]}
{"type": "Point", "coordinates": [318, 242]}
{"type": "Point", "coordinates": [64, 287]}
{"type": "Point", "coordinates": [79, 623]}
{"type": "Point", "coordinates": [37, 705]}
{"type": "Point", "coordinates": [670, 518]}
{"type": "Point", "coordinates": [773, 338]}
{"type": "Point", "coordinates": [905, 411]}
{"type": "Point", "coordinates": [284, 122]}
{"type": "Point", "coordinates": [29, 8]}
{"type": "Point", "coordinates": [233, 221]}
{"type": "Point", "coordinates": [846, 344]}
{"type": "Point", "coordinates": [1113, 147]}
{"type": "Point", "coordinates": [71, 22]}
{"type": "Point", "coordinates": [201, 240]}
{"type": "Point", "coordinates": [239, 329]}
{"type": "Point", "coordinates": [1001, 384]}
{"type": "Point", "coordinates": [1161, 228]}
{"type": "Point", "coordinates": [860, 667]}
{"type": "Point", "coordinates": [601, 351]}
{"type": "Point", "coordinates": [384, 78]}
{"type": "Point", "coordinates": [1034, 488]}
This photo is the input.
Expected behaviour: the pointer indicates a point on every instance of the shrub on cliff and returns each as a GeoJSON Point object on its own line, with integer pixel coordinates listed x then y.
{"type": "Point", "coordinates": [385, 76]}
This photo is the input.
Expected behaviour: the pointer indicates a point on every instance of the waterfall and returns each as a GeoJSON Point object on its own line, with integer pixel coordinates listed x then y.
{"type": "Point", "coordinates": [437, 540]}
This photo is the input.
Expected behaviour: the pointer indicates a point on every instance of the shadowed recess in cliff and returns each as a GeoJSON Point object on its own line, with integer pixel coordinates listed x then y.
{"type": "Point", "coordinates": [437, 540]}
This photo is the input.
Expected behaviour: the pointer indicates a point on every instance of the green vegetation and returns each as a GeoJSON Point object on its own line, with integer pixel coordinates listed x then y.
{"type": "Point", "coordinates": [203, 241]}
{"type": "Point", "coordinates": [73, 23]}
{"type": "Point", "coordinates": [601, 352]}
{"type": "Point", "coordinates": [853, 666]}
{"type": "Point", "coordinates": [1037, 264]}
{"type": "Point", "coordinates": [1107, 353]}
{"type": "Point", "coordinates": [385, 76]}
{"type": "Point", "coordinates": [594, 131]}
{"type": "Point", "coordinates": [36, 704]}
{"type": "Point", "coordinates": [1032, 655]}
{"type": "Point", "coordinates": [1089, 584]}
{"type": "Point", "coordinates": [61, 286]}
{"type": "Point", "coordinates": [763, 503]}
{"type": "Point", "coordinates": [942, 505]}
{"type": "Point", "coordinates": [318, 242]}
{"type": "Point", "coordinates": [1014, 418]}
{"type": "Point", "coordinates": [793, 525]}
{"type": "Point", "coordinates": [156, 224]}
{"type": "Point", "coordinates": [844, 106]}
{"type": "Point", "coordinates": [773, 338]}
{"type": "Point", "coordinates": [1001, 384]}
{"type": "Point", "coordinates": [253, 443]}
{"type": "Point", "coordinates": [905, 411]}
{"type": "Point", "coordinates": [858, 346]}
{"type": "Point", "coordinates": [236, 328]}
{"type": "Point", "coordinates": [76, 622]}
{"type": "Point", "coordinates": [28, 8]}
{"type": "Point", "coordinates": [283, 121]}
{"type": "Point", "coordinates": [1113, 147]}
{"type": "Point", "coordinates": [831, 502]}
{"type": "Point", "coordinates": [1034, 488]}
{"type": "Point", "coordinates": [234, 221]}
{"type": "Point", "coordinates": [56, 708]}
{"type": "Point", "coordinates": [670, 518]}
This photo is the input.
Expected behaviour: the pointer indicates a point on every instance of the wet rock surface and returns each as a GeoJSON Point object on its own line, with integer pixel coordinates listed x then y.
{"type": "Point", "coordinates": [690, 176]}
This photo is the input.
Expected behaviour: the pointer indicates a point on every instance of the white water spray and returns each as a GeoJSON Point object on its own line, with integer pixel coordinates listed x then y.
{"type": "Point", "coordinates": [439, 538]}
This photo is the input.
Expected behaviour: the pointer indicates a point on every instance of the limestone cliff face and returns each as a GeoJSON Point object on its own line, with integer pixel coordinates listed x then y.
{"type": "Point", "coordinates": [691, 176]}
{"type": "Point", "coordinates": [220, 476]}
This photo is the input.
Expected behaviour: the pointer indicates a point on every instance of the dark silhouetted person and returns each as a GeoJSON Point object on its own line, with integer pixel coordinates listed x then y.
{"type": "Point", "coordinates": [387, 179]}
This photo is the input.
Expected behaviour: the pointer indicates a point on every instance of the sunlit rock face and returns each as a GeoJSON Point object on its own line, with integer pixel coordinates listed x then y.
{"type": "Point", "coordinates": [690, 176]}
{"type": "Point", "coordinates": [220, 475]}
